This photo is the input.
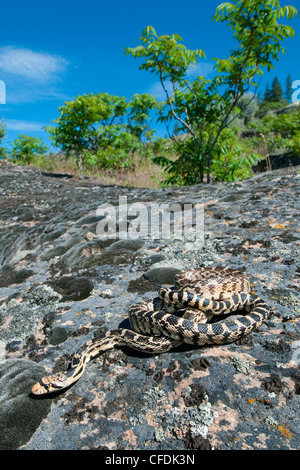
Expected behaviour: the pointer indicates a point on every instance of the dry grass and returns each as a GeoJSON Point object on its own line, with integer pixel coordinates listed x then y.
{"type": "Point", "coordinates": [145, 174]}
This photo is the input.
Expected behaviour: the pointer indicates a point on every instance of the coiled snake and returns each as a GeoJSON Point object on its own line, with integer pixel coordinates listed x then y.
{"type": "Point", "coordinates": [179, 315]}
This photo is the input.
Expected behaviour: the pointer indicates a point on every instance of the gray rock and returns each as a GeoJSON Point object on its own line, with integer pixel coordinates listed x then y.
{"type": "Point", "coordinates": [20, 413]}
{"type": "Point", "coordinates": [58, 335]}
{"type": "Point", "coordinates": [243, 395]}
{"type": "Point", "coordinates": [10, 275]}
{"type": "Point", "coordinates": [163, 275]}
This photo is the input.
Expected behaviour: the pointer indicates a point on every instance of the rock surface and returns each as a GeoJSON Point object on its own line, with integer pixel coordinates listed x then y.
{"type": "Point", "coordinates": [60, 284]}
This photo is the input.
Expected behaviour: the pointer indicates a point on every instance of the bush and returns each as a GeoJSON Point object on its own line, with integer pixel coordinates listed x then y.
{"type": "Point", "coordinates": [267, 107]}
{"type": "Point", "coordinates": [280, 132]}
{"type": "Point", "coordinates": [25, 148]}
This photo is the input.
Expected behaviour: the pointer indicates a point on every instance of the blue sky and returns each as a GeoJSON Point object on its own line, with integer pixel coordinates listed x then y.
{"type": "Point", "coordinates": [53, 51]}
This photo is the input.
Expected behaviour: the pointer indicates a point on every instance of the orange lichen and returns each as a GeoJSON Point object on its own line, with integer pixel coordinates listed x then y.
{"type": "Point", "coordinates": [284, 430]}
{"type": "Point", "coordinates": [263, 401]}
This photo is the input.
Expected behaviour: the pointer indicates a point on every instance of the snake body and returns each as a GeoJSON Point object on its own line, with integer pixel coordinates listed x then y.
{"type": "Point", "coordinates": [179, 315]}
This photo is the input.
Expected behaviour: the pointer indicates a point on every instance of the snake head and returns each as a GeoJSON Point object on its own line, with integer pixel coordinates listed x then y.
{"type": "Point", "coordinates": [50, 384]}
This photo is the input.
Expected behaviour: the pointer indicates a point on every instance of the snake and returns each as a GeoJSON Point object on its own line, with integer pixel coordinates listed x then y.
{"type": "Point", "coordinates": [196, 311]}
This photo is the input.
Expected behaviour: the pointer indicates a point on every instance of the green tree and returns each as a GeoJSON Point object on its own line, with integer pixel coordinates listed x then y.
{"type": "Point", "coordinates": [76, 129]}
{"type": "Point", "coordinates": [115, 148]}
{"type": "Point", "coordinates": [2, 130]}
{"type": "Point", "coordinates": [268, 96]}
{"type": "Point", "coordinates": [233, 158]}
{"type": "Point", "coordinates": [24, 148]}
{"type": "Point", "coordinates": [281, 133]}
{"type": "Point", "coordinates": [139, 116]}
{"type": "Point", "coordinates": [248, 104]}
{"type": "Point", "coordinates": [176, 130]}
{"type": "Point", "coordinates": [288, 88]}
{"type": "Point", "coordinates": [204, 108]}
{"type": "Point", "coordinates": [103, 130]}
{"type": "Point", "coordinates": [2, 135]}
{"type": "Point", "coordinates": [273, 99]}
{"type": "Point", "coordinates": [276, 91]}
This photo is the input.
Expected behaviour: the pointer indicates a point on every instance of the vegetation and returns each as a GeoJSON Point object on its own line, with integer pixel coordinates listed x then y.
{"type": "Point", "coordinates": [205, 108]}
{"type": "Point", "coordinates": [274, 98]}
{"type": "Point", "coordinates": [103, 130]}
{"type": "Point", "coordinates": [279, 132]}
{"type": "Point", "coordinates": [25, 147]}
{"type": "Point", "coordinates": [2, 135]}
{"type": "Point", "coordinates": [204, 118]}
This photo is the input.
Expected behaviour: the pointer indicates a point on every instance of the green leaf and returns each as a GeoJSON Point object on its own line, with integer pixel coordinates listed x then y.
{"type": "Point", "coordinates": [229, 7]}
{"type": "Point", "coordinates": [288, 11]}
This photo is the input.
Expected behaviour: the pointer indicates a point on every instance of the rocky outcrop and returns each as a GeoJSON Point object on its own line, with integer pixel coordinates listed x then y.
{"type": "Point", "coordinates": [61, 284]}
{"type": "Point", "coordinates": [279, 160]}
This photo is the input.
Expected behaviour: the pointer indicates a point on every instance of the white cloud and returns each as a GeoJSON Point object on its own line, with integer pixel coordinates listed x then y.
{"type": "Point", "coordinates": [204, 69]}
{"type": "Point", "coordinates": [23, 126]}
{"type": "Point", "coordinates": [158, 92]}
{"type": "Point", "coordinates": [29, 94]}
{"type": "Point", "coordinates": [37, 66]}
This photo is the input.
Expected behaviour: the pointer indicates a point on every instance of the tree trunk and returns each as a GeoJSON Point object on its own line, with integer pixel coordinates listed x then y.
{"type": "Point", "coordinates": [79, 164]}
